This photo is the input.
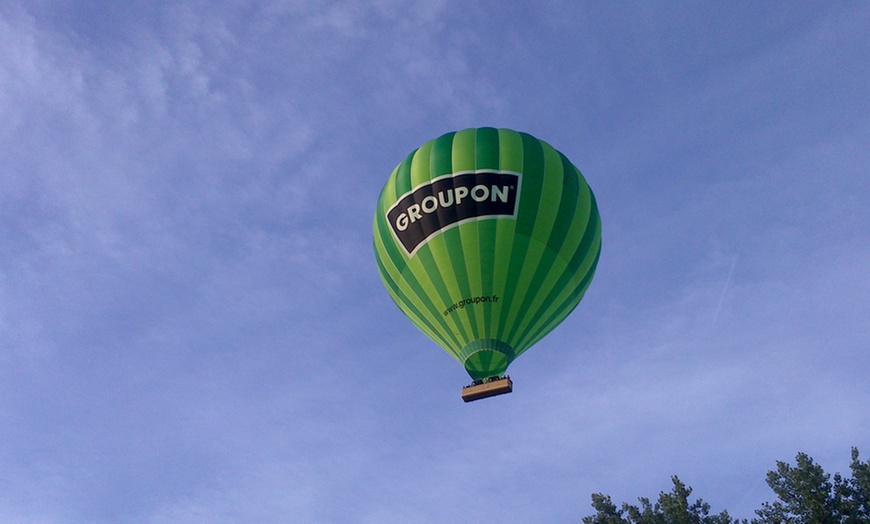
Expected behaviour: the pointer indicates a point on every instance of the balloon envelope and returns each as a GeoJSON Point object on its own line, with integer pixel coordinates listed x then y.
{"type": "Point", "coordinates": [486, 239]}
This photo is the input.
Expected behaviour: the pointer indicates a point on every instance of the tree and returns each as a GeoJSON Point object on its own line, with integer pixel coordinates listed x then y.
{"type": "Point", "coordinates": [805, 495]}
{"type": "Point", "coordinates": [671, 508]}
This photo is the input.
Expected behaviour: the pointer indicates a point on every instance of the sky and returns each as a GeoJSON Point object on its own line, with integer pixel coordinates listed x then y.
{"type": "Point", "coordinates": [192, 324]}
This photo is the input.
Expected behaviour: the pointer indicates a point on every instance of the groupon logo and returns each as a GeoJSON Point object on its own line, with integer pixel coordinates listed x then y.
{"type": "Point", "coordinates": [450, 200]}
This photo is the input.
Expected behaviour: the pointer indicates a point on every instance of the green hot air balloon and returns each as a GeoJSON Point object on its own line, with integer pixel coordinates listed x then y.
{"type": "Point", "coordinates": [486, 239]}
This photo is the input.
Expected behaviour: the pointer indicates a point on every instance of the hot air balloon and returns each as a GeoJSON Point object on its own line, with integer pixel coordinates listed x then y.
{"type": "Point", "coordinates": [486, 239]}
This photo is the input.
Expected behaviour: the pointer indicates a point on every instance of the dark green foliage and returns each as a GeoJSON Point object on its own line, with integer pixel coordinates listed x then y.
{"type": "Point", "coordinates": [805, 495]}
{"type": "Point", "coordinates": [671, 508]}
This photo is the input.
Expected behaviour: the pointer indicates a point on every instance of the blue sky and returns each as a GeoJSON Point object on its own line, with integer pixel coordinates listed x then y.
{"type": "Point", "coordinates": [192, 327]}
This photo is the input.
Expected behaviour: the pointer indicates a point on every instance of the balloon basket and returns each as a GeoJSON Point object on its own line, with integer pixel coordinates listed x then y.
{"type": "Point", "coordinates": [486, 388]}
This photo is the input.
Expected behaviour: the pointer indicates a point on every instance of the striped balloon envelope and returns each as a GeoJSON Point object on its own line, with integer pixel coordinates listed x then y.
{"type": "Point", "coordinates": [486, 239]}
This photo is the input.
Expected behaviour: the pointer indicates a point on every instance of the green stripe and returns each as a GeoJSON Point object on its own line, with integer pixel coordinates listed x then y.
{"type": "Point", "coordinates": [487, 234]}
{"type": "Point", "coordinates": [446, 255]}
{"type": "Point", "coordinates": [462, 151]}
{"type": "Point", "coordinates": [562, 290]}
{"type": "Point", "coordinates": [430, 265]}
{"type": "Point", "coordinates": [487, 148]}
{"type": "Point", "coordinates": [402, 177]}
{"type": "Point", "coordinates": [510, 159]}
{"type": "Point", "coordinates": [561, 244]}
{"type": "Point", "coordinates": [486, 157]}
{"type": "Point", "coordinates": [468, 255]}
{"type": "Point", "coordinates": [565, 218]}
{"type": "Point", "coordinates": [544, 221]}
{"type": "Point", "coordinates": [416, 300]}
{"type": "Point", "coordinates": [532, 185]}
{"type": "Point", "coordinates": [409, 309]}
{"type": "Point", "coordinates": [546, 271]}
{"type": "Point", "coordinates": [418, 168]}
{"type": "Point", "coordinates": [429, 257]}
{"type": "Point", "coordinates": [584, 262]}
{"type": "Point", "coordinates": [442, 156]}
{"type": "Point", "coordinates": [389, 251]}
{"type": "Point", "coordinates": [426, 263]}
{"type": "Point", "coordinates": [569, 305]}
